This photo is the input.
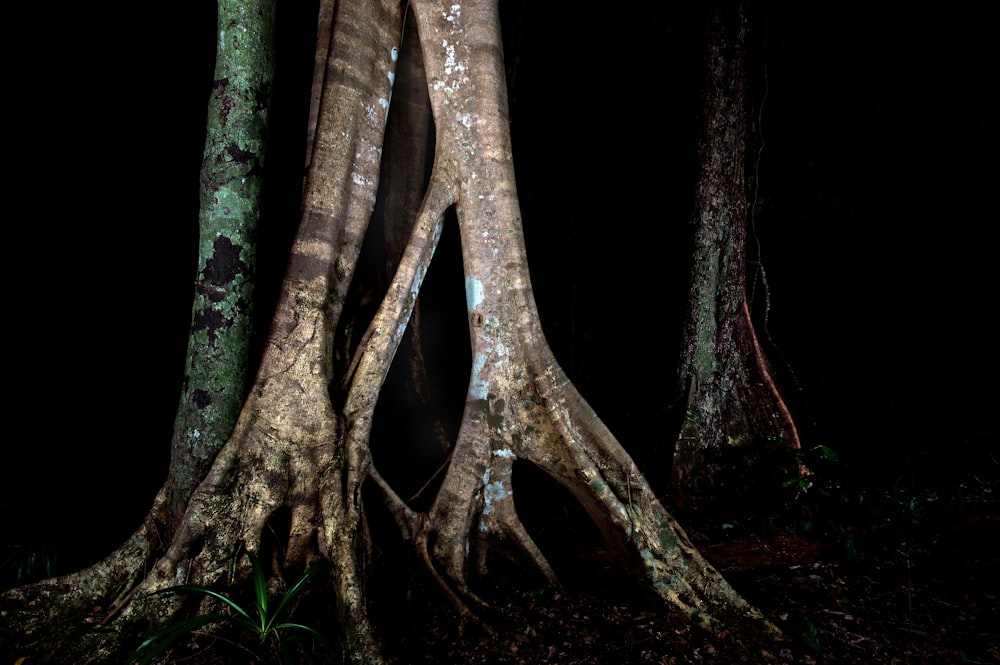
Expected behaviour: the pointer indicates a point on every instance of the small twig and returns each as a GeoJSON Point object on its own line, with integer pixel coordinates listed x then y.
{"type": "Point", "coordinates": [438, 472]}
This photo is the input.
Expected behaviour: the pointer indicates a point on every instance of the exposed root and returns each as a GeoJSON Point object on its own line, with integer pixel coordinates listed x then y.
{"type": "Point", "coordinates": [520, 404]}
{"type": "Point", "coordinates": [98, 593]}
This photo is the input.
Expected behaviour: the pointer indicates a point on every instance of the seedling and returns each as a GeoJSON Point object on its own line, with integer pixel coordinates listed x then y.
{"type": "Point", "coordinates": [260, 619]}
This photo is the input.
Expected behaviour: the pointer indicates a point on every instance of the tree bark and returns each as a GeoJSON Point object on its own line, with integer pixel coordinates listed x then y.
{"type": "Point", "coordinates": [218, 365]}
{"type": "Point", "coordinates": [519, 405]}
{"type": "Point", "coordinates": [735, 415]}
{"type": "Point", "coordinates": [217, 362]}
{"type": "Point", "coordinates": [300, 447]}
{"type": "Point", "coordinates": [286, 433]}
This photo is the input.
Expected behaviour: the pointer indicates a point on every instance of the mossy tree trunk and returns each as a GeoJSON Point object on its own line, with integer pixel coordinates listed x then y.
{"type": "Point", "coordinates": [288, 482]}
{"type": "Point", "coordinates": [217, 370]}
{"type": "Point", "coordinates": [217, 367]}
{"type": "Point", "coordinates": [735, 415]}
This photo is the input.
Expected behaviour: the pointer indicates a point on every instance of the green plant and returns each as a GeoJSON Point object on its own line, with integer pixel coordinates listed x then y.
{"type": "Point", "coordinates": [260, 619]}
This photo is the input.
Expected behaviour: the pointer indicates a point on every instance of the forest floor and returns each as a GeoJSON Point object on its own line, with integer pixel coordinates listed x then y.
{"type": "Point", "coordinates": [905, 572]}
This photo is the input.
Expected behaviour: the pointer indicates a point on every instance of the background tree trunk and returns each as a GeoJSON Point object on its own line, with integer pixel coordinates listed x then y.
{"type": "Point", "coordinates": [735, 417]}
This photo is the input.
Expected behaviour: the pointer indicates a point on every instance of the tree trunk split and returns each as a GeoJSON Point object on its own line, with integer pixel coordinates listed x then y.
{"type": "Point", "coordinates": [298, 450]}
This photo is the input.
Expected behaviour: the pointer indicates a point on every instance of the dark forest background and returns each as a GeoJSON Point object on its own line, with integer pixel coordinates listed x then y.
{"type": "Point", "coordinates": [878, 139]}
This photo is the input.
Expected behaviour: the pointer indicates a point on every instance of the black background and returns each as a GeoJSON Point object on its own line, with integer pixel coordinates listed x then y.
{"type": "Point", "coordinates": [877, 178]}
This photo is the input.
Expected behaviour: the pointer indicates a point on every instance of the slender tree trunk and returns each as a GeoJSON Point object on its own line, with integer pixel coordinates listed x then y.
{"type": "Point", "coordinates": [218, 364]}
{"type": "Point", "coordinates": [735, 414]}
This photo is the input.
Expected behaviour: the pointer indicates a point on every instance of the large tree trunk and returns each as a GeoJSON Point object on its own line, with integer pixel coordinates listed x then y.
{"type": "Point", "coordinates": [300, 448]}
{"type": "Point", "coordinates": [735, 415]}
{"type": "Point", "coordinates": [286, 437]}
{"type": "Point", "coordinates": [520, 405]}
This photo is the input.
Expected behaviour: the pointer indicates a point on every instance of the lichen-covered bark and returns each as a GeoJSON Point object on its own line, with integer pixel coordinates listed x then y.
{"type": "Point", "coordinates": [285, 451]}
{"type": "Point", "coordinates": [733, 405]}
{"type": "Point", "coordinates": [216, 371]}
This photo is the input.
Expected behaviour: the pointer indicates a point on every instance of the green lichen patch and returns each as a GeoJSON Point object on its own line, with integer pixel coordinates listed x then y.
{"type": "Point", "coordinates": [668, 539]}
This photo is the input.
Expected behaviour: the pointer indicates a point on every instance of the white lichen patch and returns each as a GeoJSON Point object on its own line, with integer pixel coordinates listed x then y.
{"type": "Point", "coordinates": [492, 492]}
{"type": "Point", "coordinates": [478, 385]}
{"type": "Point", "coordinates": [495, 491]}
{"type": "Point", "coordinates": [473, 292]}
{"type": "Point", "coordinates": [453, 66]}
{"type": "Point", "coordinates": [449, 56]}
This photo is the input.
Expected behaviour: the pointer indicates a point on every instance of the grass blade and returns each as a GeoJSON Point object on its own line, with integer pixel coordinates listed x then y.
{"type": "Point", "coordinates": [312, 632]}
{"type": "Point", "coordinates": [161, 642]}
{"type": "Point", "coordinates": [205, 591]}
{"type": "Point", "coordinates": [260, 589]}
{"type": "Point", "coordinates": [314, 569]}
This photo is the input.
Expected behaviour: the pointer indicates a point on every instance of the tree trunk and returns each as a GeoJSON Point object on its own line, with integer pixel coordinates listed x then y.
{"type": "Point", "coordinates": [218, 363]}
{"type": "Point", "coordinates": [299, 450]}
{"type": "Point", "coordinates": [519, 405]}
{"type": "Point", "coordinates": [735, 415]}
{"type": "Point", "coordinates": [286, 436]}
